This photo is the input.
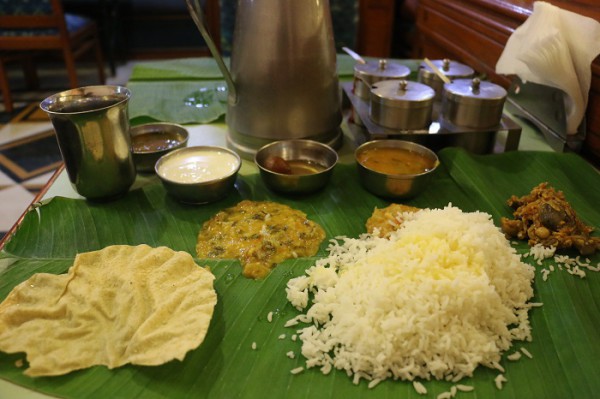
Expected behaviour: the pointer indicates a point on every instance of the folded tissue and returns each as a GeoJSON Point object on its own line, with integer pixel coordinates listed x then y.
{"type": "Point", "coordinates": [555, 47]}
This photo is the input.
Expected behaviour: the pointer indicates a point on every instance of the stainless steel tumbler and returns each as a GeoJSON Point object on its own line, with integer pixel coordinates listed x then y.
{"type": "Point", "coordinates": [92, 129]}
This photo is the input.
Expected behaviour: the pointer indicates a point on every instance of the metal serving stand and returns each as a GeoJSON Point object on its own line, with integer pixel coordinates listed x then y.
{"type": "Point", "coordinates": [440, 134]}
{"type": "Point", "coordinates": [544, 107]}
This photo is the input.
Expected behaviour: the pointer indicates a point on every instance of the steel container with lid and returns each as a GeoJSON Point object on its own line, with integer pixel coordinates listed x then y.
{"type": "Point", "coordinates": [451, 69]}
{"type": "Point", "coordinates": [400, 104]}
{"type": "Point", "coordinates": [365, 75]}
{"type": "Point", "coordinates": [473, 103]}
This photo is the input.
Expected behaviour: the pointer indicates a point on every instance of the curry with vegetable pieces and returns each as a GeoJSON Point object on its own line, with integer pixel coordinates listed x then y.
{"type": "Point", "coordinates": [260, 235]}
{"type": "Point", "coordinates": [545, 217]}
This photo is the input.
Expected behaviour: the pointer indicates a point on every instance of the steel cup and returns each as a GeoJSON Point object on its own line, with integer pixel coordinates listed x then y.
{"type": "Point", "coordinates": [92, 129]}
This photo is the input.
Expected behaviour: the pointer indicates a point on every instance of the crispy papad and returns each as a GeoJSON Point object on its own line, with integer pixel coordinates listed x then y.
{"type": "Point", "coordinates": [121, 304]}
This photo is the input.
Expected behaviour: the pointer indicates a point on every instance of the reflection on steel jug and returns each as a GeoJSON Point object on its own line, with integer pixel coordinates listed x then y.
{"type": "Point", "coordinates": [283, 82]}
{"type": "Point", "coordinates": [92, 130]}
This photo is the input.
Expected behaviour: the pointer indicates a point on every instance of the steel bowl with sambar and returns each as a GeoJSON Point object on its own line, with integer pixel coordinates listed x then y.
{"type": "Point", "coordinates": [296, 166]}
{"type": "Point", "coordinates": [395, 169]}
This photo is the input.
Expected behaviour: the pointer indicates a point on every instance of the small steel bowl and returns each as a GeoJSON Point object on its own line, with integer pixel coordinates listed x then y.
{"type": "Point", "coordinates": [151, 141]}
{"type": "Point", "coordinates": [401, 105]}
{"type": "Point", "coordinates": [316, 159]}
{"type": "Point", "coordinates": [395, 186]}
{"type": "Point", "coordinates": [198, 175]}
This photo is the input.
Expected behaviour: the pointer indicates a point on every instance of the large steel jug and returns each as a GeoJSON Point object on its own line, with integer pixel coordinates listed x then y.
{"type": "Point", "coordinates": [283, 81]}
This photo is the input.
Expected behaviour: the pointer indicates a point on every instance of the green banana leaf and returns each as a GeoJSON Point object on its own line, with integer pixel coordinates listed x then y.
{"type": "Point", "coordinates": [203, 68]}
{"type": "Point", "coordinates": [566, 353]}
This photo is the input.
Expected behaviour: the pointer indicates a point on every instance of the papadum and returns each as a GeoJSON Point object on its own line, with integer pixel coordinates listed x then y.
{"type": "Point", "coordinates": [122, 304]}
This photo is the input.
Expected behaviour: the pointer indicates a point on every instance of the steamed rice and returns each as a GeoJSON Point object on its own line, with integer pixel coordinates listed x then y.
{"type": "Point", "coordinates": [436, 299]}
{"type": "Point", "coordinates": [574, 266]}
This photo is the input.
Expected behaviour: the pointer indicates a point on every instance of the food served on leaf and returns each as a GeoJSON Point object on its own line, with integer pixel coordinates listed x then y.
{"type": "Point", "coordinates": [121, 304]}
{"type": "Point", "coordinates": [438, 297]}
{"type": "Point", "coordinates": [278, 165]}
{"type": "Point", "coordinates": [545, 217]}
{"type": "Point", "coordinates": [293, 166]}
{"type": "Point", "coordinates": [395, 160]}
{"type": "Point", "coordinates": [388, 219]}
{"type": "Point", "coordinates": [154, 141]}
{"type": "Point", "coordinates": [260, 234]}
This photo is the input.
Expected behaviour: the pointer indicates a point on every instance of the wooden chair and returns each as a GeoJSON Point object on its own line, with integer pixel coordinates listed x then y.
{"type": "Point", "coordinates": [27, 28]}
{"type": "Point", "coordinates": [26, 60]}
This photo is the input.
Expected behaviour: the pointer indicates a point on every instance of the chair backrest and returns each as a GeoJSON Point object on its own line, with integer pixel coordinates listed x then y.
{"type": "Point", "coordinates": [32, 24]}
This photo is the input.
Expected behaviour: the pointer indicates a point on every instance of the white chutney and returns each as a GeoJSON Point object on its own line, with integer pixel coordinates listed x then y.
{"type": "Point", "coordinates": [199, 166]}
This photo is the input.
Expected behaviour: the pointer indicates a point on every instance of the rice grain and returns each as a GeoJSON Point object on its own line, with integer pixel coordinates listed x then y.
{"type": "Point", "coordinates": [420, 388]}
{"type": "Point", "coordinates": [527, 353]}
{"type": "Point", "coordinates": [433, 298]}
{"type": "Point", "coordinates": [499, 381]}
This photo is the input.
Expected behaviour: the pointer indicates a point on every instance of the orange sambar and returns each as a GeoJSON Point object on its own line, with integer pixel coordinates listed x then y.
{"type": "Point", "coordinates": [395, 161]}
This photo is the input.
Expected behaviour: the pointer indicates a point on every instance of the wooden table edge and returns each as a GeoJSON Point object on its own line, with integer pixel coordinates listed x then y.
{"type": "Point", "coordinates": [37, 198]}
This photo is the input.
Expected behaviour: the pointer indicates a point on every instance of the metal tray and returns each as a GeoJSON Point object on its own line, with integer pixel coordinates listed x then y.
{"type": "Point", "coordinates": [544, 107]}
{"type": "Point", "coordinates": [440, 134]}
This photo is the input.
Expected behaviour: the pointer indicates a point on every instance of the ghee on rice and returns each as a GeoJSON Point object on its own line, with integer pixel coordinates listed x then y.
{"type": "Point", "coordinates": [440, 296]}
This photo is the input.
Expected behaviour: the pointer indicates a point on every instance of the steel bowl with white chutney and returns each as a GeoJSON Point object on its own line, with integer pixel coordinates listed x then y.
{"type": "Point", "coordinates": [200, 174]}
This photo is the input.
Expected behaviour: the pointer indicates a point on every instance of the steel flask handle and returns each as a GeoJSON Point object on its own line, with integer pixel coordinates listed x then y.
{"type": "Point", "coordinates": [198, 17]}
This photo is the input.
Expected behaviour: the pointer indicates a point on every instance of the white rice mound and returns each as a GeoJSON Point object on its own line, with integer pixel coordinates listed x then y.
{"type": "Point", "coordinates": [440, 296]}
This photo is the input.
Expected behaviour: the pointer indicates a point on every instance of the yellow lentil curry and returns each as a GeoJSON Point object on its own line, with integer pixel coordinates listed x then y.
{"type": "Point", "coordinates": [386, 220]}
{"type": "Point", "coordinates": [260, 234]}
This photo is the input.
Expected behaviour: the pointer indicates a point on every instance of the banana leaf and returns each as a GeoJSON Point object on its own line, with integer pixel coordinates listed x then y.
{"type": "Point", "coordinates": [566, 355]}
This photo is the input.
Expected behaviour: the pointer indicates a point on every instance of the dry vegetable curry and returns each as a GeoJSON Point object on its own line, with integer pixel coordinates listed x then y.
{"type": "Point", "coordinates": [545, 217]}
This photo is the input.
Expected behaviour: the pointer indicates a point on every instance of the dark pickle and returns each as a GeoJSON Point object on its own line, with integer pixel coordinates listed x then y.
{"type": "Point", "coordinates": [292, 167]}
{"type": "Point", "coordinates": [154, 141]}
{"type": "Point", "coordinates": [278, 165]}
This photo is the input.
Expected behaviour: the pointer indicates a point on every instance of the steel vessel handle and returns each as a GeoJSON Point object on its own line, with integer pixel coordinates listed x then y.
{"type": "Point", "coordinates": [198, 17]}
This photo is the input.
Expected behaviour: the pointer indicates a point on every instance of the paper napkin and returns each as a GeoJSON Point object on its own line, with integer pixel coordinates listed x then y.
{"type": "Point", "coordinates": [555, 47]}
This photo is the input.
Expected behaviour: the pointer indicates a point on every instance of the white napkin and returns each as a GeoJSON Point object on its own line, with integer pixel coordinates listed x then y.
{"type": "Point", "coordinates": [555, 47]}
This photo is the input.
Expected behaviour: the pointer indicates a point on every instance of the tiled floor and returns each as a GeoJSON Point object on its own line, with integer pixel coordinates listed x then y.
{"type": "Point", "coordinates": [29, 154]}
